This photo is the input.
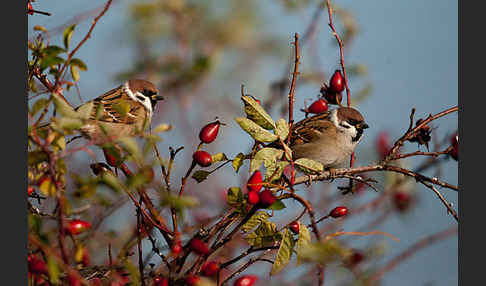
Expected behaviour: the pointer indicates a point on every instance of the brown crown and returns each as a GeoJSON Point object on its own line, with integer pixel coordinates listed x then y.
{"type": "Point", "coordinates": [141, 85]}
{"type": "Point", "coordinates": [345, 113]}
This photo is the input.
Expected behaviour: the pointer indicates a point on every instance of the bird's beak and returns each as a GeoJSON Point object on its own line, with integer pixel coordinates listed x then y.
{"type": "Point", "coordinates": [157, 97]}
{"type": "Point", "coordinates": [362, 126]}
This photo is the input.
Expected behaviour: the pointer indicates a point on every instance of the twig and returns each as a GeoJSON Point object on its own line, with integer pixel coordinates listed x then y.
{"type": "Point", "coordinates": [443, 200]}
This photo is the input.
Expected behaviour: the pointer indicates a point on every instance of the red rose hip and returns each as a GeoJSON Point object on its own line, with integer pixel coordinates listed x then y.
{"type": "Point", "coordinates": [255, 182]}
{"type": "Point", "coordinates": [455, 147]}
{"type": "Point", "coordinates": [209, 132]}
{"type": "Point", "coordinates": [336, 84]}
{"type": "Point", "coordinates": [339, 212]}
{"type": "Point", "coordinates": [202, 158]}
{"type": "Point", "coordinates": [318, 106]}
{"type": "Point", "coordinates": [161, 281]}
{"type": "Point", "coordinates": [383, 145]}
{"type": "Point", "coordinates": [77, 226]}
{"type": "Point", "coordinates": [267, 198]}
{"type": "Point", "coordinates": [401, 200]}
{"type": "Point", "coordinates": [36, 265]}
{"type": "Point", "coordinates": [199, 247]}
{"type": "Point", "coordinates": [192, 280]}
{"type": "Point", "coordinates": [246, 280]}
{"type": "Point", "coordinates": [294, 227]}
{"type": "Point", "coordinates": [253, 198]}
{"type": "Point", "coordinates": [210, 268]}
{"type": "Point", "coordinates": [29, 9]}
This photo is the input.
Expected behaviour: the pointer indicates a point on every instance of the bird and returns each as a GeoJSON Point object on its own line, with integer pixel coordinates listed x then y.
{"type": "Point", "coordinates": [329, 137]}
{"type": "Point", "coordinates": [123, 111]}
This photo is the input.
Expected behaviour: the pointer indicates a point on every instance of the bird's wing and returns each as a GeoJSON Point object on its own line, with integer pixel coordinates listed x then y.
{"type": "Point", "coordinates": [310, 129]}
{"type": "Point", "coordinates": [115, 106]}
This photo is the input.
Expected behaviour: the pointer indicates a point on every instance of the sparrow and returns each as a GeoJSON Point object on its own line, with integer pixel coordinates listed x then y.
{"type": "Point", "coordinates": [123, 111]}
{"type": "Point", "coordinates": [328, 137]}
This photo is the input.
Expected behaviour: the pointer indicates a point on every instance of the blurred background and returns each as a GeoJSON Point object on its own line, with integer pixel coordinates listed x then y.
{"type": "Point", "coordinates": [399, 55]}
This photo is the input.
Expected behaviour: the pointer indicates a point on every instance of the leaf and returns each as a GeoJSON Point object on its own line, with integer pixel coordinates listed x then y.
{"type": "Point", "coordinates": [162, 128]}
{"type": "Point", "coordinates": [282, 129]}
{"type": "Point", "coordinates": [74, 73]}
{"type": "Point", "coordinates": [53, 270]}
{"type": "Point", "coordinates": [255, 220]}
{"type": "Point", "coordinates": [47, 187]}
{"type": "Point", "coordinates": [303, 241]}
{"type": "Point", "coordinates": [308, 165]}
{"type": "Point", "coordinates": [234, 197]}
{"type": "Point", "coordinates": [238, 161]}
{"type": "Point", "coordinates": [256, 113]}
{"type": "Point", "coordinates": [179, 203]}
{"type": "Point", "coordinates": [53, 50]}
{"type": "Point", "coordinates": [122, 107]}
{"type": "Point", "coordinates": [111, 181]}
{"type": "Point", "coordinates": [50, 61]}
{"type": "Point", "coordinates": [264, 235]}
{"type": "Point", "coordinates": [323, 252]}
{"type": "Point", "coordinates": [66, 124]}
{"type": "Point", "coordinates": [85, 110]}
{"type": "Point", "coordinates": [267, 155]}
{"type": "Point", "coordinates": [67, 35]}
{"type": "Point", "coordinates": [284, 252]}
{"type": "Point", "coordinates": [130, 145]}
{"type": "Point", "coordinates": [277, 205]}
{"type": "Point", "coordinates": [218, 157]}
{"type": "Point", "coordinates": [63, 107]}
{"type": "Point", "coordinates": [40, 28]}
{"type": "Point", "coordinates": [200, 175]}
{"type": "Point", "coordinates": [275, 171]}
{"type": "Point", "coordinates": [255, 131]}
{"type": "Point", "coordinates": [38, 105]}
{"type": "Point", "coordinates": [79, 64]}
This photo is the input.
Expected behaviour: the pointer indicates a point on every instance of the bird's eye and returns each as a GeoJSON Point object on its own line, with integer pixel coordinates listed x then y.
{"type": "Point", "coordinates": [148, 93]}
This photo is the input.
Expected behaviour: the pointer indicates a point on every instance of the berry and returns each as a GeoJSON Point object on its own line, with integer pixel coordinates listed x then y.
{"type": "Point", "coordinates": [199, 247]}
{"type": "Point", "coordinates": [253, 198]}
{"type": "Point", "coordinates": [209, 132]}
{"type": "Point", "coordinates": [246, 280]}
{"type": "Point", "coordinates": [318, 106]}
{"type": "Point", "coordinates": [455, 147]}
{"type": "Point", "coordinates": [383, 145]}
{"type": "Point", "coordinates": [336, 84]}
{"type": "Point", "coordinates": [77, 226]}
{"type": "Point", "coordinates": [255, 182]}
{"type": "Point", "coordinates": [192, 280]}
{"type": "Point", "coordinates": [339, 212]}
{"type": "Point", "coordinates": [402, 200]}
{"type": "Point", "coordinates": [111, 156]}
{"type": "Point", "coordinates": [267, 198]}
{"type": "Point", "coordinates": [355, 259]}
{"type": "Point", "coordinates": [161, 281]}
{"type": "Point", "coordinates": [36, 265]}
{"type": "Point", "coordinates": [30, 190]}
{"type": "Point", "coordinates": [73, 280]}
{"type": "Point", "coordinates": [210, 268]}
{"type": "Point", "coordinates": [176, 248]}
{"type": "Point", "coordinates": [29, 9]}
{"type": "Point", "coordinates": [294, 227]}
{"type": "Point", "coordinates": [258, 101]}
{"type": "Point", "coordinates": [202, 158]}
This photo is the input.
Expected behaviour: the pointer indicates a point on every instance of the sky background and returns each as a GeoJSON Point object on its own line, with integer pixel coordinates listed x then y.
{"type": "Point", "coordinates": [410, 49]}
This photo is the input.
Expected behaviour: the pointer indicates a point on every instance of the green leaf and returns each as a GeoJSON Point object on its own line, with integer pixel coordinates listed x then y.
{"type": "Point", "coordinates": [38, 105]}
{"type": "Point", "coordinates": [179, 203]}
{"type": "Point", "coordinates": [275, 171]}
{"type": "Point", "coordinates": [323, 252]}
{"type": "Point", "coordinates": [256, 113]}
{"type": "Point", "coordinates": [35, 157]}
{"type": "Point", "coordinates": [66, 124]}
{"type": "Point", "coordinates": [111, 181]}
{"type": "Point", "coordinates": [266, 234]}
{"type": "Point", "coordinates": [63, 107]}
{"type": "Point", "coordinates": [284, 252]}
{"type": "Point", "coordinates": [162, 128]}
{"type": "Point", "coordinates": [85, 110]}
{"type": "Point", "coordinates": [255, 220]}
{"type": "Point", "coordinates": [53, 50]}
{"type": "Point", "coordinates": [50, 61]}
{"type": "Point", "coordinates": [238, 161]}
{"type": "Point", "coordinates": [130, 145]}
{"type": "Point", "coordinates": [234, 197]}
{"type": "Point", "coordinates": [74, 73]}
{"type": "Point", "coordinates": [67, 35]}
{"type": "Point", "coordinates": [53, 270]}
{"type": "Point", "coordinates": [277, 205]}
{"type": "Point", "coordinates": [303, 241]}
{"type": "Point", "coordinates": [78, 63]}
{"type": "Point", "coordinates": [309, 166]}
{"type": "Point", "coordinates": [282, 129]}
{"type": "Point", "coordinates": [218, 157]}
{"type": "Point", "coordinates": [255, 131]}
{"type": "Point", "coordinates": [268, 156]}
{"type": "Point", "coordinates": [122, 107]}
{"type": "Point", "coordinates": [200, 175]}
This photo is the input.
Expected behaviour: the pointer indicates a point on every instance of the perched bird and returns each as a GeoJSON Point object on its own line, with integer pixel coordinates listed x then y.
{"type": "Point", "coordinates": [122, 111]}
{"type": "Point", "coordinates": [328, 137]}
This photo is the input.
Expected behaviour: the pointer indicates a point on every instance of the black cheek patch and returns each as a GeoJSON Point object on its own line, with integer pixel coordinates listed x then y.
{"type": "Point", "coordinates": [360, 133]}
